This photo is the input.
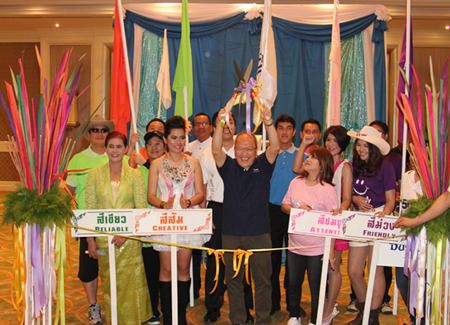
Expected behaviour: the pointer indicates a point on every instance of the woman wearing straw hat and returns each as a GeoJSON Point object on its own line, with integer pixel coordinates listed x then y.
{"type": "Point", "coordinates": [373, 190]}
{"type": "Point", "coordinates": [115, 185]}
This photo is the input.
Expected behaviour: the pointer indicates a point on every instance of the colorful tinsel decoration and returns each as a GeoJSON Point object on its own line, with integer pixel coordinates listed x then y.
{"type": "Point", "coordinates": [40, 153]}
{"type": "Point", "coordinates": [428, 130]}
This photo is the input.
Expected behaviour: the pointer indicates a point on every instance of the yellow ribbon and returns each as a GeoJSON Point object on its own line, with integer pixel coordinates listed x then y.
{"type": "Point", "coordinates": [436, 285]}
{"type": "Point", "coordinates": [18, 294]}
{"type": "Point", "coordinates": [238, 254]}
{"type": "Point", "coordinates": [218, 255]}
{"type": "Point", "coordinates": [60, 266]}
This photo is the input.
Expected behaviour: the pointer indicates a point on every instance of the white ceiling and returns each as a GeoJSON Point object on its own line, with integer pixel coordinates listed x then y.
{"type": "Point", "coordinates": [103, 8]}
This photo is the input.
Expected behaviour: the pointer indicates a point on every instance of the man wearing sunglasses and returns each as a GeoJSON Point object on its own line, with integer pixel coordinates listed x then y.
{"type": "Point", "coordinates": [79, 166]}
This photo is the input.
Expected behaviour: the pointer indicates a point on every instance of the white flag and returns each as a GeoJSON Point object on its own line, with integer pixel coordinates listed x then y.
{"type": "Point", "coordinates": [266, 75]}
{"type": "Point", "coordinates": [163, 81]}
{"type": "Point", "coordinates": [334, 79]}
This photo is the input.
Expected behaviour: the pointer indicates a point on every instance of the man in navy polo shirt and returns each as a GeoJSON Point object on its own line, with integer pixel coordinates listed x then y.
{"type": "Point", "coordinates": [246, 222]}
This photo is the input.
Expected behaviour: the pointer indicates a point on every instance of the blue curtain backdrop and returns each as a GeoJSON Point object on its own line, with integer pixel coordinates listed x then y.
{"type": "Point", "coordinates": [301, 60]}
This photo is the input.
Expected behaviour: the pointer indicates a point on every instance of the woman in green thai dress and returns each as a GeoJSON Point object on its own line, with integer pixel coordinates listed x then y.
{"type": "Point", "coordinates": [115, 185]}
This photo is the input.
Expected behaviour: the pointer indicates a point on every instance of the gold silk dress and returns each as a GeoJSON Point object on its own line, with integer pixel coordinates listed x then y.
{"type": "Point", "coordinates": [133, 300]}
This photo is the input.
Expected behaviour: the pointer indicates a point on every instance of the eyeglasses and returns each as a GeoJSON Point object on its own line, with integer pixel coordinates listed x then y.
{"type": "Point", "coordinates": [245, 149]}
{"type": "Point", "coordinates": [97, 130]}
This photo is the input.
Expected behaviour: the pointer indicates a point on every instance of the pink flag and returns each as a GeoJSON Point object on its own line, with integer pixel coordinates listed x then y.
{"type": "Point", "coordinates": [334, 88]}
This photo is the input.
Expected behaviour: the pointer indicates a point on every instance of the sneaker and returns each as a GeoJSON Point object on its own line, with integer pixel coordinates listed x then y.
{"type": "Point", "coordinates": [352, 307]}
{"type": "Point", "coordinates": [154, 320]}
{"type": "Point", "coordinates": [294, 321]}
{"type": "Point", "coordinates": [385, 308]}
{"type": "Point", "coordinates": [94, 314]}
{"type": "Point", "coordinates": [335, 310]}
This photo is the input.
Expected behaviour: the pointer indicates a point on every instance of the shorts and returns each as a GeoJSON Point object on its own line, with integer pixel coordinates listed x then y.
{"type": "Point", "coordinates": [87, 266]}
{"type": "Point", "coordinates": [356, 243]}
{"type": "Point", "coordinates": [341, 245]}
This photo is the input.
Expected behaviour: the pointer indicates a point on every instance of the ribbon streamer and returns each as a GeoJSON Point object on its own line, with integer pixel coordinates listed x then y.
{"type": "Point", "coordinates": [38, 271]}
{"type": "Point", "coordinates": [436, 285]}
{"type": "Point", "coordinates": [238, 255]}
{"type": "Point", "coordinates": [218, 255]}
{"type": "Point", "coordinates": [60, 266]}
{"type": "Point", "coordinates": [421, 272]}
{"type": "Point", "coordinates": [246, 89]}
{"type": "Point", "coordinates": [18, 295]}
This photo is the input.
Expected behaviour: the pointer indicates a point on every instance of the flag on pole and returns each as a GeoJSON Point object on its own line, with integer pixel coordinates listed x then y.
{"type": "Point", "coordinates": [183, 80]}
{"type": "Point", "coordinates": [266, 75]}
{"type": "Point", "coordinates": [401, 86]}
{"type": "Point", "coordinates": [120, 111]}
{"type": "Point", "coordinates": [334, 79]}
{"type": "Point", "coordinates": [163, 81]}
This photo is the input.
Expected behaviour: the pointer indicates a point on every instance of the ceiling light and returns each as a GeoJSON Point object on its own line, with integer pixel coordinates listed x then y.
{"type": "Point", "coordinates": [57, 25]}
{"type": "Point", "coordinates": [447, 27]}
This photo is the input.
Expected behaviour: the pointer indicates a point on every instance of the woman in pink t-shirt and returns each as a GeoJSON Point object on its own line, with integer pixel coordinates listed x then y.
{"type": "Point", "coordinates": [312, 190]}
{"type": "Point", "coordinates": [336, 141]}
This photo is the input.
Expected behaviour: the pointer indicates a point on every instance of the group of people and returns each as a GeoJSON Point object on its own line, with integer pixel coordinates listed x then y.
{"type": "Point", "coordinates": [251, 195]}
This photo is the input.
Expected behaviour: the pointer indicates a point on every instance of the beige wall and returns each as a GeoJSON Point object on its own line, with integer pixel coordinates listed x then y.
{"type": "Point", "coordinates": [90, 39]}
{"type": "Point", "coordinates": [9, 55]}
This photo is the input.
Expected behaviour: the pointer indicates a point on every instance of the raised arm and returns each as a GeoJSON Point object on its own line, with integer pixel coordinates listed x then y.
{"type": "Point", "coordinates": [274, 147]}
{"type": "Point", "coordinates": [217, 141]}
{"type": "Point", "coordinates": [297, 166]}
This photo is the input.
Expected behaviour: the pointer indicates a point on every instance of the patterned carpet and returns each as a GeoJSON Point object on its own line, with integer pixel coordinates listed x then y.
{"type": "Point", "coordinates": [76, 304]}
